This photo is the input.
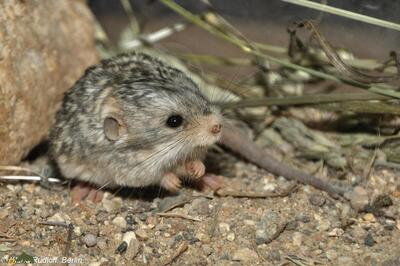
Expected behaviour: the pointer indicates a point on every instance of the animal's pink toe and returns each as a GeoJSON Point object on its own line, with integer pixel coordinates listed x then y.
{"type": "Point", "coordinates": [215, 182]}
{"type": "Point", "coordinates": [195, 169]}
{"type": "Point", "coordinates": [83, 191]}
{"type": "Point", "coordinates": [171, 182]}
{"type": "Point", "coordinates": [95, 195]}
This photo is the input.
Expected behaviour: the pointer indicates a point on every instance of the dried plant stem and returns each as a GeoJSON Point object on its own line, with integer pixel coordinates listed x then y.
{"type": "Point", "coordinates": [366, 64]}
{"type": "Point", "coordinates": [305, 99]}
{"type": "Point", "coordinates": [248, 48]}
{"type": "Point", "coordinates": [225, 192]}
{"type": "Point", "coordinates": [180, 249]}
{"type": "Point", "coordinates": [339, 64]}
{"type": "Point", "coordinates": [154, 36]}
{"type": "Point", "coordinates": [133, 23]}
{"type": "Point", "coordinates": [178, 215]}
{"type": "Point", "coordinates": [239, 143]}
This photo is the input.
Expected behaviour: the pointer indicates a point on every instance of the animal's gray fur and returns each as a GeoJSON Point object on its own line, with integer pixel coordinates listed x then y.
{"type": "Point", "coordinates": [146, 92]}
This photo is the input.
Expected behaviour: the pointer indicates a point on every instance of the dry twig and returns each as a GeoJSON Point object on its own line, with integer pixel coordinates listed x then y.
{"type": "Point", "coordinates": [224, 192]}
{"type": "Point", "coordinates": [70, 232]}
{"type": "Point", "coordinates": [179, 251]}
{"type": "Point", "coordinates": [346, 70]}
{"type": "Point", "coordinates": [239, 143]}
{"type": "Point", "coordinates": [178, 215]}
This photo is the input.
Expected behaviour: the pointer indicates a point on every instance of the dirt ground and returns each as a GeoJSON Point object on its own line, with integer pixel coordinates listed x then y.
{"type": "Point", "coordinates": [195, 227]}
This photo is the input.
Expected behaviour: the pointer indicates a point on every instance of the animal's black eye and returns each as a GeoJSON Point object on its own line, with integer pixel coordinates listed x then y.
{"type": "Point", "coordinates": [174, 121]}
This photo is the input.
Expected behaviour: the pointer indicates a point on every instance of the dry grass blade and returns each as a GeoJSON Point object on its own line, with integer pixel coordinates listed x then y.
{"type": "Point", "coordinates": [342, 67]}
{"type": "Point", "coordinates": [179, 251]}
{"type": "Point", "coordinates": [178, 215]}
{"type": "Point", "coordinates": [240, 143]}
{"type": "Point", "coordinates": [225, 192]}
{"type": "Point", "coordinates": [154, 37]}
{"type": "Point", "coordinates": [362, 107]}
{"type": "Point", "coordinates": [305, 99]}
{"type": "Point", "coordinates": [30, 176]}
{"type": "Point", "coordinates": [133, 23]}
{"type": "Point", "coordinates": [379, 89]}
{"type": "Point", "coordinates": [345, 13]}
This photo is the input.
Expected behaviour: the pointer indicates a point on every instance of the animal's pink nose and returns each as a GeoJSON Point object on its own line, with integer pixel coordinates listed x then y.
{"type": "Point", "coordinates": [215, 129]}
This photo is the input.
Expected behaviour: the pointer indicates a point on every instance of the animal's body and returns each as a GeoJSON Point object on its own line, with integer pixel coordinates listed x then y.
{"type": "Point", "coordinates": [133, 121]}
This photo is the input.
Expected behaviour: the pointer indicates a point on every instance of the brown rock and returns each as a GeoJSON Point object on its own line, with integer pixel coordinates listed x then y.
{"type": "Point", "coordinates": [44, 48]}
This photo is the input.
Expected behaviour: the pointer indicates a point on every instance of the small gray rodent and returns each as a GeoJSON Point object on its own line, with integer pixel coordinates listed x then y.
{"type": "Point", "coordinates": [133, 121]}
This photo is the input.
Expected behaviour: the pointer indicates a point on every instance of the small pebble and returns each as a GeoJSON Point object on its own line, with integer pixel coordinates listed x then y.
{"type": "Point", "coordinates": [99, 263]}
{"type": "Point", "coordinates": [142, 234]}
{"type": "Point", "coordinates": [359, 198]}
{"type": "Point", "coordinates": [112, 205]}
{"type": "Point", "coordinates": [230, 237]}
{"type": "Point", "coordinates": [245, 255]}
{"type": "Point", "coordinates": [14, 188]}
{"type": "Point", "coordinates": [199, 206]}
{"type": "Point", "coordinates": [77, 230]}
{"type": "Point", "coordinates": [382, 201]}
{"type": "Point", "coordinates": [101, 216]}
{"type": "Point", "coordinates": [121, 248]}
{"type": "Point", "coordinates": [317, 200]}
{"type": "Point", "coordinates": [224, 228]}
{"type": "Point", "coordinates": [119, 221]}
{"type": "Point", "coordinates": [90, 240]}
{"type": "Point", "coordinates": [345, 261]}
{"type": "Point", "coordinates": [303, 218]}
{"type": "Point", "coordinates": [324, 225]}
{"type": "Point", "coordinates": [133, 249]}
{"type": "Point", "coordinates": [331, 254]}
{"type": "Point", "coordinates": [128, 236]}
{"type": "Point", "coordinates": [292, 225]}
{"type": "Point", "coordinates": [25, 243]}
{"type": "Point", "coordinates": [271, 187]}
{"type": "Point", "coordinates": [4, 213]}
{"type": "Point", "coordinates": [267, 227]}
{"type": "Point", "coordinates": [297, 239]}
{"type": "Point", "coordinates": [207, 250]}
{"type": "Point", "coordinates": [142, 217]}
{"type": "Point", "coordinates": [369, 240]}
{"type": "Point", "coordinates": [44, 213]}
{"type": "Point", "coordinates": [358, 232]}
{"type": "Point", "coordinates": [274, 255]}
{"type": "Point", "coordinates": [129, 219]}
{"type": "Point", "coordinates": [336, 232]}
{"type": "Point", "coordinates": [369, 217]}
{"type": "Point", "coordinates": [39, 202]}
{"type": "Point", "coordinates": [102, 244]}
{"type": "Point", "coordinates": [249, 222]}
{"type": "Point", "coordinates": [391, 262]}
{"type": "Point", "coordinates": [59, 218]}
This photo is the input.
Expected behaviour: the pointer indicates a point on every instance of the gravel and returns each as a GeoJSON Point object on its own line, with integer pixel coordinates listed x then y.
{"type": "Point", "coordinates": [126, 230]}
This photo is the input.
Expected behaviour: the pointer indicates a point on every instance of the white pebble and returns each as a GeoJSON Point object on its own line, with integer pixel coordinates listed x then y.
{"type": "Point", "coordinates": [119, 221]}
{"type": "Point", "coordinates": [128, 236]}
{"type": "Point", "coordinates": [230, 236]}
{"type": "Point", "coordinates": [224, 228]}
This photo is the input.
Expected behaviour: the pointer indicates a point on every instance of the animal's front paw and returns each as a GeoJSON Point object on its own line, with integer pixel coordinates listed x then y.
{"type": "Point", "coordinates": [171, 182]}
{"type": "Point", "coordinates": [195, 169]}
{"type": "Point", "coordinates": [86, 191]}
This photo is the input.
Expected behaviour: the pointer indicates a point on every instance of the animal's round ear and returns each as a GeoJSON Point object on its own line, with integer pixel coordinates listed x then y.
{"type": "Point", "coordinates": [113, 127]}
{"type": "Point", "coordinates": [111, 115]}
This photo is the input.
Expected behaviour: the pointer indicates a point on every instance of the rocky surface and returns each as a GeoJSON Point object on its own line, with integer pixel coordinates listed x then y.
{"type": "Point", "coordinates": [146, 227]}
{"type": "Point", "coordinates": [44, 47]}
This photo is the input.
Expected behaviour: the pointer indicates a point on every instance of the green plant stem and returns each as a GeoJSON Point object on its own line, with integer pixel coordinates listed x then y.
{"type": "Point", "coordinates": [345, 13]}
